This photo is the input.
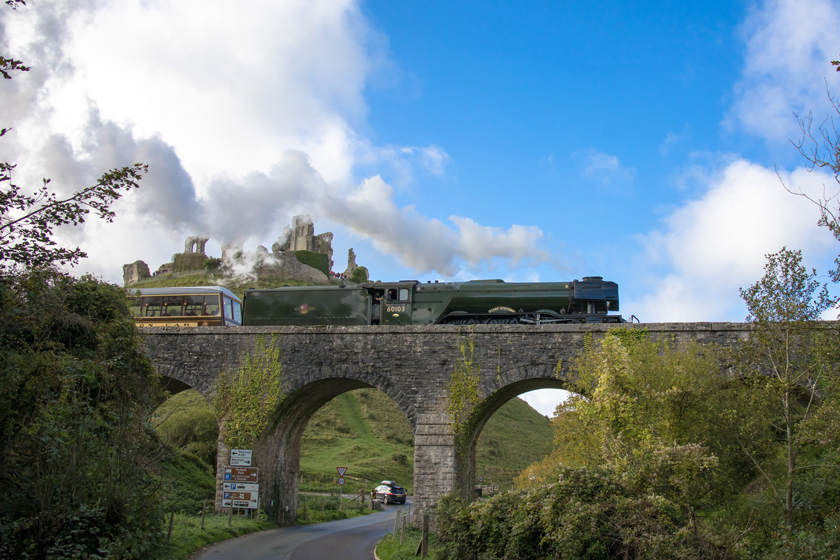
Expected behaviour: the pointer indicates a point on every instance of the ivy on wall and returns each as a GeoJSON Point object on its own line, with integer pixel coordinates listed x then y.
{"type": "Point", "coordinates": [248, 399]}
{"type": "Point", "coordinates": [318, 261]}
{"type": "Point", "coordinates": [462, 389]}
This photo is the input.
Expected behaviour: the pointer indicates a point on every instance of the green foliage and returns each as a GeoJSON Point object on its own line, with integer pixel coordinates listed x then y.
{"type": "Point", "coordinates": [587, 514]}
{"type": "Point", "coordinates": [360, 275]}
{"type": "Point", "coordinates": [648, 402]}
{"type": "Point", "coordinates": [213, 264]}
{"type": "Point", "coordinates": [186, 421]}
{"type": "Point", "coordinates": [790, 357]}
{"type": "Point", "coordinates": [75, 443]}
{"type": "Point", "coordinates": [247, 401]}
{"type": "Point", "coordinates": [318, 261]}
{"type": "Point", "coordinates": [187, 482]}
{"type": "Point", "coordinates": [462, 388]}
{"type": "Point", "coordinates": [389, 548]}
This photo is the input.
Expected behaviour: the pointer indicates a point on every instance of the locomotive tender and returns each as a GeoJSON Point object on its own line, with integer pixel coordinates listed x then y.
{"type": "Point", "coordinates": [410, 302]}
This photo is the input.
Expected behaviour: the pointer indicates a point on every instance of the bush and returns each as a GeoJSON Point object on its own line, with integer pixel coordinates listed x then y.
{"type": "Point", "coordinates": [359, 275]}
{"type": "Point", "coordinates": [318, 261]}
{"type": "Point", "coordinates": [587, 514]}
{"type": "Point", "coordinates": [194, 430]}
{"type": "Point", "coordinates": [212, 264]}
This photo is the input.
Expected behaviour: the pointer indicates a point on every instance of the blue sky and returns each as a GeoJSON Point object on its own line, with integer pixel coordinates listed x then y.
{"type": "Point", "coordinates": [639, 141]}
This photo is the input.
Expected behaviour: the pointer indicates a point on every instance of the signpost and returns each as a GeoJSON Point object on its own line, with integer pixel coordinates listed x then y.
{"type": "Point", "coordinates": [341, 471]}
{"type": "Point", "coordinates": [240, 488]}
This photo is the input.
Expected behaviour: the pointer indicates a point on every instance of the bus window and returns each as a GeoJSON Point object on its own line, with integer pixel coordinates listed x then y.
{"type": "Point", "coordinates": [151, 306]}
{"type": "Point", "coordinates": [193, 306]}
{"type": "Point", "coordinates": [228, 308]}
{"type": "Point", "coordinates": [403, 294]}
{"type": "Point", "coordinates": [135, 306]}
{"type": "Point", "coordinates": [237, 312]}
{"type": "Point", "coordinates": [212, 305]}
{"type": "Point", "coordinates": [173, 306]}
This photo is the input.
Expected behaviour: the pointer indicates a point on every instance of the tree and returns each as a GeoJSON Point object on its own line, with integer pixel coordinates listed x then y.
{"type": "Point", "coordinates": [787, 356]}
{"type": "Point", "coordinates": [820, 146]}
{"type": "Point", "coordinates": [27, 221]}
{"type": "Point", "coordinates": [76, 446]}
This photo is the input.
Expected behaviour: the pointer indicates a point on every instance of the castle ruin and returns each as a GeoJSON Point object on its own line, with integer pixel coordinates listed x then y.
{"type": "Point", "coordinates": [280, 263]}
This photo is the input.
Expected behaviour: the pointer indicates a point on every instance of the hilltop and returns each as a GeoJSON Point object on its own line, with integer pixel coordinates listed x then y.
{"type": "Point", "coordinates": [298, 257]}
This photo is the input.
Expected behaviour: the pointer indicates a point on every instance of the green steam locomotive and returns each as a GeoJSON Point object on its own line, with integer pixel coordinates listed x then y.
{"type": "Point", "coordinates": [409, 302]}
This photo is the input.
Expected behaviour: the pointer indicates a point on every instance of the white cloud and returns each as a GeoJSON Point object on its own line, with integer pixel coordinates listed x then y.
{"type": "Point", "coordinates": [604, 169]}
{"type": "Point", "coordinates": [716, 244]}
{"type": "Point", "coordinates": [789, 44]}
{"type": "Point", "coordinates": [545, 401]}
{"type": "Point", "coordinates": [246, 118]}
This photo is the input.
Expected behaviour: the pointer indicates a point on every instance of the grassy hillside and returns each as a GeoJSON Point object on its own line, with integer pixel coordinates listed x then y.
{"type": "Point", "coordinates": [199, 278]}
{"type": "Point", "coordinates": [364, 431]}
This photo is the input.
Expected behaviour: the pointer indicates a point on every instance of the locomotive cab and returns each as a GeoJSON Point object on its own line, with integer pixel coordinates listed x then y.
{"type": "Point", "coordinates": [392, 301]}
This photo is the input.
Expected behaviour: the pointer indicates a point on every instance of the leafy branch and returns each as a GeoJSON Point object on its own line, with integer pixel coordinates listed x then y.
{"type": "Point", "coordinates": [27, 221]}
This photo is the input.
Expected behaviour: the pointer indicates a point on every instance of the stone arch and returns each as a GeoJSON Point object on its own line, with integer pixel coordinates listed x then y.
{"type": "Point", "coordinates": [466, 479]}
{"type": "Point", "coordinates": [277, 454]}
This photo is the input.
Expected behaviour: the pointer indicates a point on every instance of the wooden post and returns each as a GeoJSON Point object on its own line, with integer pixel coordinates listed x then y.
{"type": "Point", "coordinates": [230, 513]}
{"type": "Point", "coordinates": [203, 511]}
{"type": "Point", "coordinates": [402, 531]}
{"type": "Point", "coordinates": [424, 539]}
{"type": "Point", "coordinates": [409, 515]}
{"type": "Point", "coordinates": [171, 520]}
{"type": "Point", "coordinates": [396, 522]}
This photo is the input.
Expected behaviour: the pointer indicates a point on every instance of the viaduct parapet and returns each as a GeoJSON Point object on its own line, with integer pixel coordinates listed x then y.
{"type": "Point", "coordinates": [413, 365]}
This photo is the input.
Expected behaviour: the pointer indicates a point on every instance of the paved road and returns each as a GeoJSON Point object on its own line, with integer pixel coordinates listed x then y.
{"type": "Point", "coordinates": [348, 539]}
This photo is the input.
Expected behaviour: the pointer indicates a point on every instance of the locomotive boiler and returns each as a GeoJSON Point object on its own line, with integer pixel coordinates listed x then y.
{"type": "Point", "coordinates": [409, 302]}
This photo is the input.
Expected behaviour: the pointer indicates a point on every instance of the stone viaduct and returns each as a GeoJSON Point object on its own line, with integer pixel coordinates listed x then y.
{"type": "Point", "coordinates": [413, 365]}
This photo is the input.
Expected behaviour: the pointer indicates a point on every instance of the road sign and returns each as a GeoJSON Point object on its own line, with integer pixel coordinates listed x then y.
{"type": "Point", "coordinates": [240, 487]}
{"type": "Point", "coordinates": [481, 479]}
{"type": "Point", "coordinates": [341, 470]}
{"type": "Point", "coordinates": [241, 474]}
{"type": "Point", "coordinates": [341, 480]}
{"type": "Point", "coordinates": [242, 504]}
{"type": "Point", "coordinates": [240, 457]}
{"type": "Point", "coordinates": [237, 496]}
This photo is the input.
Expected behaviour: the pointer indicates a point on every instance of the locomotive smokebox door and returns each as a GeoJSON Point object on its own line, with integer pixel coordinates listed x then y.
{"type": "Point", "coordinates": [396, 305]}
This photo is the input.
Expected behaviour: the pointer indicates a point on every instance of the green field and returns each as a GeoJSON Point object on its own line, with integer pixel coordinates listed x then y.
{"type": "Point", "coordinates": [365, 431]}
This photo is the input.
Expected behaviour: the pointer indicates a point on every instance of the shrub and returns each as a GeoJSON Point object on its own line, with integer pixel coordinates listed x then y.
{"type": "Point", "coordinates": [359, 275]}
{"type": "Point", "coordinates": [587, 514]}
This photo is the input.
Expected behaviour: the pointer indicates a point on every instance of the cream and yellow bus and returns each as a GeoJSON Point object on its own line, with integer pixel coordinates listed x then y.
{"type": "Point", "coordinates": [200, 306]}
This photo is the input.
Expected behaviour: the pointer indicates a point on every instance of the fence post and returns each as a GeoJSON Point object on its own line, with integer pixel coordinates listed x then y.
{"type": "Point", "coordinates": [396, 522]}
{"type": "Point", "coordinates": [203, 512]}
{"type": "Point", "coordinates": [230, 513]}
{"type": "Point", "coordinates": [171, 520]}
{"type": "Point", "coordinates": [424, 539]}
{"type": "Point", "coordinates": [402, 531]}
